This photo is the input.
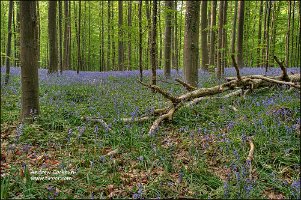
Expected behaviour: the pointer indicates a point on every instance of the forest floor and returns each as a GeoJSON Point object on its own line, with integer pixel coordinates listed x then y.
{"type": "Point", "coordinates": [200, 154]}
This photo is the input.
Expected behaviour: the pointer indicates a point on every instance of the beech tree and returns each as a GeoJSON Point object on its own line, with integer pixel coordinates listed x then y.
{"type": "Point", "coordinates": [204, 47]}
{"type": "Point", "coordinates": [167, 40]}
{"type": "Point", "coordinates": [212, 34]}
{"type": "Point", "coordinates": [191, 42]}
{"type": "Point", "coordinates": [154, 44]}
{"type": "Point", "coordinates": [120, 35]}
{"type": "Point", "coordinates": [52, 35]}
{"type": "Point", "coordinates": [29, 60]}
{"type": "Point", "coordinates": [8, 47]}
{"type": "Point", "coordinates": [241, 7]}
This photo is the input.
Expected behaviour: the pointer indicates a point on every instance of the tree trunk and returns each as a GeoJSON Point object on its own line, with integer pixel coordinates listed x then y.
{"type": "Point", "coordinates": [89, 37]}
{"type": "Point", "coordinates": [129, 35]}
{"type": "Point", "coordinates": [259, 46]}
{"type": "Point", "coordinates": [29, 61]}
{"type": "Point", "coordinates": [140, 39]}
{"type": "Point", "coordinates": [212, 34]}
{"type": "Point", "coordinates": [292, 61]}
{"type": "Point", "coordinates": [160, 35]}
{"type": "Point", "coordinates": [224, 38]}
{"type": "Point", "coordinates": [120, 37]}
{"type": "Point", "coordinates": [167, 40]}
{"type": "Point", "coordinates": [180, 34]}
{"type": "Point", "coordinates": [60, 37]}
{"type": "Point", "coordinates": [204, 47]}
{"type": "Point", "coordinates": [8, 47]}
{"type": "Point", "coordinates": [17, 33]}
{"type": "Point", "coordinates": [52, 35]}
{"type": "Point", "coordinates": [78, 40]}
{"type": "Point", "coordinates": [220, 39]}
{"type": "Point", "coordinates": [234, 29]}
{"type": "Point", "coordinates": [287, 56]}
{"type": "Point", "coordinates": [268, 38]}
{"type": "Point", "coordinates": [113, 38]}
{"type": "Point", "coordinates": [154, 45]}
{"type": "Point", "coordinates": [241, 7]}
{"type": "Point", "coordinates": [66, 60]}
{"type": "Point", "coordinates": [103, 67]}
{"type": "Point", "coordinates": [191, 42]}
{"type": "Point", "coordinates": [39, 33]}
{"type": "Point", "coordinates": [176, 49]}
{"type": "Point", "coordinates": [148, 16]}
{"type": "Point", "coordinates": [109, 38]}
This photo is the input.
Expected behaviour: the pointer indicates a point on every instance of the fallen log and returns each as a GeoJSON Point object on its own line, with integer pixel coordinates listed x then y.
{"type": "Point", "coordinates": [241, 84]}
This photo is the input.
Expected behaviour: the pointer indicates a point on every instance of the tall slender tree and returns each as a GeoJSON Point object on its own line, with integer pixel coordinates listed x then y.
{"type": "Point", "coordinates": [60, 37]}
{"type": "Point", "coordinates": [212, 33]}
{"type": "Point", "coordinates": [167, 40]}
{"type": "Point", "coordinates": [259, 45]}
{"type": "Point", "coordinates": [109, 37]}
{"type": "Point", "coordinates": [287, 41]}
{"type": "Point", "coordinates": [66, 58]}
{"type": "Point", "coordinates": [52, 35]}
{"type": "Point", "coordinates": [129, 34]}
{"type": "Point", "coordinates": [204, 47]}
{"type": "Point", "coordinates": [191, 42]}
{"type": "Point", "coordinates": [220, 39]}
{"type": "Point", "coordinates": [241, 7]}
{"type": "Point", "coordinates": [154, 43]}
{"type": "Point", "coordinates": [234, 29]}
{"type": "Point", "coordinates": [140, 39]}
{"type": "Point", "coordinates": [29, 60]}
{"type": "Point", "coordinates": [79, 62]}
{"type": "Point", "coordinates": [120, 37]}
{"type": "Point", "coordinates": [8, 47]}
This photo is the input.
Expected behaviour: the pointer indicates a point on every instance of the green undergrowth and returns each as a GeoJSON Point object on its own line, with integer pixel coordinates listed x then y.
{"type": "Point", "coordinates": [200, 154]}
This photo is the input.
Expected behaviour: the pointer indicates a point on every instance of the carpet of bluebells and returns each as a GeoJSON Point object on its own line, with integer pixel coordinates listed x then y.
{"type": "Point", "coordinates": [200, 154]}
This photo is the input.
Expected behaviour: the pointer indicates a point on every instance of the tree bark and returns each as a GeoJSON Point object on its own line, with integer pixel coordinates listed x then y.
{"type": "Point", "coordinates": [60, 37]}
{"type": "Point", "coordinates": [8, 47]}
{"type": "Point", "coordinates": [109, 38]}
{"type": "Point", "coordinates": [191, 42]}
{"type": "Point", "coordinates": [287, 42]}
{"type": "Point", "coordinates": [234, 29]}
{"type": "Point", "coordinates": [241, 7]}
{"type": "Point", "coordinates": [204, 47]}
{"type": "Point", "coordinates": [66, 59]}
{"type": "Point", "coordinates": [140, 40]}
{"type": "Point", "coordinates": [167, 40]}
{"type": "Point", "coordinates": [78, 40]}
{"type": "Point", "coordinates": [259, 35]}
{"type": "Point", "coordinates": [220, 39]}
{"type": "Point", "coordinates": [212, 34]}
{"type": "Point", "coordinates": [52, 35]}
{"type": "Point", "coordinates": [129, 35]}
{"type": "Point", "coordinates": [267, 53]}
{"type": "Point", "coordinates": [224, 38]}
{"type": "Point", "coordinates": [148, 16]}
{"type": "Point", "coordinates": [120, 37]}
{"type": "Point", "coordinates": [29, 61]}
{"type": "Point", "coordinates": [154, 45]}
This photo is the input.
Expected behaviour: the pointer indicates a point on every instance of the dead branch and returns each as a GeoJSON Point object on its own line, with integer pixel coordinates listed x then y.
{"type": "Point", "coordinates": [130, 119]}
{"type": "Point", "coordinates": [102, 122]}
{"type": "Point", "coordinates": [161, 91]}
{"type": "Point", "coordinates": [250, 156]}
{"type": "Point", "coordinates": [275, 81]}
{"type": "Point", "coordinates": [186, 85]}
{"type": "Point", "coordinates": [157, 122]}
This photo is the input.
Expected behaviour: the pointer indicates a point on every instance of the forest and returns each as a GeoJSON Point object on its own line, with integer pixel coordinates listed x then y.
{"type": "Point", "coordinates": [150, 99]}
